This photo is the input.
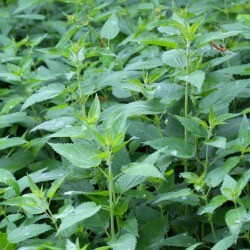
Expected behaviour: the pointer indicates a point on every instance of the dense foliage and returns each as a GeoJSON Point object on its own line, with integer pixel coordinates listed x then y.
{"type": "Point", "coordinates": [124, 124]}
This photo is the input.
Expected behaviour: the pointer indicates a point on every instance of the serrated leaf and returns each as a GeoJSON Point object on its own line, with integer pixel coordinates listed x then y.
{"type": "Point", "coordinates": [225, 243]}
{"type": "Point", "coordinates": [54, 187]}
{"type": "Point", "coordinates": [111, 28]}
{"type": "Point", "coordinates": [11, 142]}
{"type": "Point", "coordinates": [180, 240]}
{"type": "Point", "coordinates": [143, 169]}
{"type": "Point", "coordinates": [70, 131]}
{"type": "Point", "coordinates": [43, 94]}
{"type": "Point", "coordinates": [216, 202]}
{"type": "Point", "coordinates": [9, 179]}
{"type": "Point", "coordinates": [23, 233]}
{"type": "Point", "coordinates": [216, 176]}
{"type": "Point", "coordinates": [194, 246]}
{"type": "Point", "coordinates": [128, 181]}
{"type": "Point", "coordinates": [157, 41]}
{"type": "Point", "coordinates": [193, 126]}
{"type": "Point", "coordinates": [168, 196]}
{"type": "Point", "coordinates": [124, 242]}
{"type": "Point", "coordinates": [242, 182]}
{"type": "Point", "coordinates": [196, 79]}
{"type": "Point", "coordinates": [174, 58]}
{"type": "Point", "coordinates": [235, 219]}
{"type": "Point", "coordinates": [80, 213]}
{"type": "Point", "coordinates": [244, 133]}
{"type": "Point", "coordinates": [77, 154]}
{"type": "Point", "coordinates": [55, 124]}
{"type": "Point", "coordinates": [228, 188]}
{"type": "Point", "coordinates": [207, 37]}
{"type": "Point", "coordinates": [94, 110]}
{"type": "Point", "coordinates": [217, 142]}
{"type": "Point", "coordinates": [173, 146]}
{"type": "Point", "coordinates": [130, 226]}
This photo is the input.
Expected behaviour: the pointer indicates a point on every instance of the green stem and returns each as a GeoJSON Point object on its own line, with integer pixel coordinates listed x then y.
{"type": "Point", "coordinates": [82, 97]}
{"type": "Point", "coordinates": [111, 196]}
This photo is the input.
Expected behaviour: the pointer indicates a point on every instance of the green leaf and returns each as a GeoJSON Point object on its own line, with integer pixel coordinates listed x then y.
{"type": "Point", "coordinates": [77, 154]}
{"type": "Point", "coordinates": [196, 78]}
{"type": "Point", "coordinates": [242, 182]}
{"type": "Point", "coordinates": [44, 93]}
{"type": "Point", "coordinates": [180, 240]}
{"type": "Point", "coordinates": [194, 246]}
{"type": "Point", "coordinates": [128, 181]}
{"type": "Point", "coordinates": [130, 226]}
{"type": "Point", "coordinates": [175, 58]}
{"type": "Point", "coordinates": [5, 244]}
{"type": "Point", "coordinates": [9, 179]}
{"type": "Point", "coordinates": [124, 242]}
{"type": "Point", "coordinates": [11, 142]}
{"type": "Point", "coordinates": [208, 37]}
{"type": "Point", "coordinates": [169, 196]}
{"type": "Point", "coordinates": [111, 28]}
{"type": "Point", "coordinates": [216, 202]}
{"type": "Point", "coordinates": [235, 219]}
{"type": "Point", "coordinates": [193, 126]}
{"type": "Point", "coordinates": [216, 176]}
{"type": "Point", "coordinates": [135, 109]}
{"type": "Point", "coordinates": [244, 133]}
{"type": "Point", "coordinates": [143, 169]}
{"type": "Point", "coordinates": [23, 233]}
{"type": "Point", "coordinates": [157, 41]}
{"type": "Point", "coordinates": [70, 131]}
{"type": "Point", "coordinates": [94, 110]}
{"type": "Point", "coordinates": [54, 187]}
{"type": "Point", "coordinates": [217, 142]}
{"type": "Point", "coordinates": [228, 188]}
{"type": "Point", "coordinates": [225, 243]}
{"type": "Point", "coordinates": [80, 213]}
{"type": "Point", "coordinates": [173, 146]}
{"type": "Point", "coordinates": [55, 124]}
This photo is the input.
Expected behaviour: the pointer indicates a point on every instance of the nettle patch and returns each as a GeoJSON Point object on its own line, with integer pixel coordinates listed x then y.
{"type": "Point", "coordinates": [124, 125]}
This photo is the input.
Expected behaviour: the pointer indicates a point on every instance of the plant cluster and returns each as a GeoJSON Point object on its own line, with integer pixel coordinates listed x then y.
{"type": "Point", "coordinates": [124, 125]}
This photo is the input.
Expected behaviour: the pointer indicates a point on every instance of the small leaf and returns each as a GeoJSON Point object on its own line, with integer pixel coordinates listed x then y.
{"type": "Point", "coordinates": [228, 188]}
{"type": "Point", "coordinates": [216, 176]}
{"type": "Point", "coordinates": [11, 142]}
{"type": "Point", "coordinates": [196, 78]}
{"type": "Point", "coordinates": [173, 146]}
{"type": "Point", "coordinates": [235, 219]}
{"type": "Point", "coordinates": [174, 58]}
{"type": "Point", "coordinates": [55, 124]}
{"type": "Point", "coordinates": [124, 242]}
{"type": "Point", "coordinates": [217, 142]}
{"type": "Point", "coordinates": [80, 213]}
{"type": "Point", "coordinates": [77, 154]}
{"type": "Point", "coordinates": [111, 28]}
{"type": "Point", "coordinates": [168, 196]}
{"type": "Point", "coordinates": [54, 186]}
{"type": "Point", "coordinates": [180, 240]}
{"type": "Point", "coordinates": [193, 126]}
{"type": "Point", "coordinates": [244, 133]}
{"type": "Point", "coordinates": [225, 243]}
{"type": "Point", "coordinates": [23, 233]}
{"type": "Point", "coordinates": [216, 202]}
{"type": "Point", "coordinates": [143, 169]}
{"type": "Point", "coordinates": [44, 93]}
{"type": "Point", "coordinates": [94, 110]}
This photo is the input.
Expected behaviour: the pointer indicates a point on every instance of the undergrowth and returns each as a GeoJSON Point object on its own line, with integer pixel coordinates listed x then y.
{"type": "Point", "coordinates": [124, 124]}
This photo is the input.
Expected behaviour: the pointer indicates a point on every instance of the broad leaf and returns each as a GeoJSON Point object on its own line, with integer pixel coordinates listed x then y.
{"type": "Point", "coordinates": [80, 213]}
{"type": "Point", "coordinates": [124, 242]}
{"type": "Point", "coordinates": [174, 58]}
{"type": "Point", "coordinates": [44, 93]}
{"type": "Point", "coordinates": [23, 233]}
{"type": "Point", "coordinates": [79, 155]}
{"type": "Point", "coordinates": [111, 28]}
{"type": "Point", "coordinates": [11, 142]}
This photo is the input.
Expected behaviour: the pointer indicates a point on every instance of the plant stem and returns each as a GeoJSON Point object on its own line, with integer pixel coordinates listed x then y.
{"type": "Point", "coordinates": [111, 195]}
{"type": "Point", "coordinates": [82, 97]}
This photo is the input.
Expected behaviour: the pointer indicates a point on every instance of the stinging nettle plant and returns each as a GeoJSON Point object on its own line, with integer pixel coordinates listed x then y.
{"type": "Point", "coordinates": [124, 126]}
